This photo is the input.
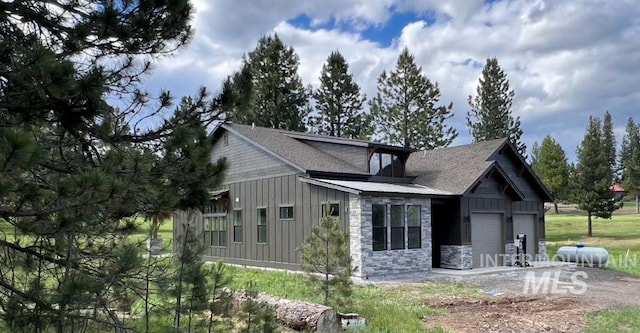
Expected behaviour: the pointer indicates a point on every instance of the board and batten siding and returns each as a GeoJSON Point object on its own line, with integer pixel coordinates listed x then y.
{"type": "Point", "coordinates": [284, 237]}
{"type": "Point", "coordinates": [245, 161]}
{"type": "Point", "coordinates": [357, 156]}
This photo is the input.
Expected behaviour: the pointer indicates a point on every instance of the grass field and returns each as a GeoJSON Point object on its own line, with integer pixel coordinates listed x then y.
{"type": "Point", "coordinates": [620, 235]}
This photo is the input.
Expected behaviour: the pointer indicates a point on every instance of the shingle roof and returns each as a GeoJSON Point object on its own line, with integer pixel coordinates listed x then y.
{"type": "Point", "coordinates": [295, 151]}
{"type": "Point", "coordinates": [453, 169]}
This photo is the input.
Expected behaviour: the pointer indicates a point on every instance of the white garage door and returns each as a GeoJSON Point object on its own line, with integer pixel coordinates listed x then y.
{"type": "Point", "coordinates": [486, 240]}
{"type": "Point", "coordinates": [525, 224]}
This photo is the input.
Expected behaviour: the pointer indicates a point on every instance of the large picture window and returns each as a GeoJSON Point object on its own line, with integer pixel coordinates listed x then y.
{"type": "Point", "coordinates": [379, 219]}
{"type": "Point", "coordinates": [262, 225]}
{"type": "Point", "coordinates": [401, 222]}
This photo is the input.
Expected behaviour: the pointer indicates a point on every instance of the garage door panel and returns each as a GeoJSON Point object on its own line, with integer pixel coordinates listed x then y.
{"type": "Point", "coordinates": [486, 239]}
{"type": "Point", "coordinates": [525, 224]}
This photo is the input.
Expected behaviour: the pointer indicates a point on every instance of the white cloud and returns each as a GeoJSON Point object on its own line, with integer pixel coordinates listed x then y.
{"type": "Point", "coordinates": [565, 59]}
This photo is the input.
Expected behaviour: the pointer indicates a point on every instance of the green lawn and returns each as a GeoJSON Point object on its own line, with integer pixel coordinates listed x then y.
{"type": "Point", "coordinates": [391, 308]}
{"type": "Point", "coordinates": [620, 235]}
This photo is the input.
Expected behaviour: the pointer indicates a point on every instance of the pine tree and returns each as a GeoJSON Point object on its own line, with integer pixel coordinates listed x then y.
{"type": "Point", "coordinates": [609, 140]}
{"type": "Point", "coordinates": [628, 164]}
{"type": "Point", "coordinates": [405, 110]}
{"type": "Point", "coordinates": [268, 91]}
{"type": "Point", "coordinates": [551, 165]}
{"type": "Point", "coordinates": [535, 154]}
{"type": "Point", "coordinates": [77, 172]}
{"type": "Point", "coordinates": [339, 102]}
{"type": "Point", "coordinates": [592, 179]}
{"type": "Point", "coordinates": [627, 146]}
{"type": "Point", "coordinates": [325, 257]}
{"type": "Point", "coordinates": [490, 116]}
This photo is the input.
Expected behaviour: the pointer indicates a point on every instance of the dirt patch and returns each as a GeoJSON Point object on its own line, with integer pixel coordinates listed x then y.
{"type": "Point", "coordinates": [512, 314]}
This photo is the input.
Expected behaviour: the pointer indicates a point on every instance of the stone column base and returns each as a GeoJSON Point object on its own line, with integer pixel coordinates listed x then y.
{"type": "Point", "coordinates": [456, 256]}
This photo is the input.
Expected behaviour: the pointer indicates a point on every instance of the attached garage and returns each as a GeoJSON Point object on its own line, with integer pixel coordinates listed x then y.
{"type": "Point", "coordinates": [525, 224]}
{"type": "Point", "coordinates": [486, 240]}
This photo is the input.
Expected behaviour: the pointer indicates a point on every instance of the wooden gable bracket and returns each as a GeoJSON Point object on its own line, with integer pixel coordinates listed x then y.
{"type": "Point", "coordinates": [370, 153]}
{"type": "Point", "coordinates": [505, 186]}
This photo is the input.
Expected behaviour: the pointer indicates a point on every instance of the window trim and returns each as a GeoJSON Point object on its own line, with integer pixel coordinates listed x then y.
{"type": "Point", "coordinates": [241, 225]}
{"type": "Point", "coordinates": [293, 212]}
{"type": "Point", "coordinates": [405, 221]}
{"type": "Point", "coordinates": [258, 225]}
{"type": "Point", "coordinates": [323, 206]}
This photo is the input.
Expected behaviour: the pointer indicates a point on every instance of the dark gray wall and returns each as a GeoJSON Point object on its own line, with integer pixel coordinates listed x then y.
{"type": "Point", "coordinates": [246, 161]}
{"type": "Point", "coordinates": [351, 154]}
{"type": "Point", "coordinates": [489, 198]}
{"type": "Point", "coordinates": [284, 236]}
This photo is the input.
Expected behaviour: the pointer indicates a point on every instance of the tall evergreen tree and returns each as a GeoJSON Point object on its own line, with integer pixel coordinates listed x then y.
{"type": "Point", "coordinates": [535, 153]}
{"type": "Point", "coordinates": [627, 147]}
{"type": "Point", "coordinates": [609, 140]}
{"type": "Point", "coordinates": [490, 116]}
{"type": "Point", "coordinates": [405, 109]}
{"type": "Point", "coordinates": [75, 171]}
{"type": "Point", "coordinates": [339, 102]}
{"type": "Point", "coordinates": [552, 167]}
{"type": "Point", "coordinates": [268, 91]}
{"type": "Point", "coordinates": [628, 163]}
{"type": "Point", "coordinates": [592, 179]}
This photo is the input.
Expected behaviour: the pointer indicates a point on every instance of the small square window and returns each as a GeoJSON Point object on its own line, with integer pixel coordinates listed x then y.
{"type": "Point", "coordinates": [286, 212]}
{"type": "Point", "coordinates": [331, 209]}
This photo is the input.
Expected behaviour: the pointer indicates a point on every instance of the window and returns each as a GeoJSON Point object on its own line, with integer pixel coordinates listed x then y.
{"type": "Point", "coordinates": [215, 223]}
{"type": "Point", "coordinates": [386, 165]}
{"type": "Point", "coordinates": [286, 212]}
{"type": "Point", "coordinates": [379, 219]}
{"type": "Point", "coordinates": [215, 207]}
{"type": "Point", "coordinates": [262, 225]}
{"type": "Point", "coordinates": [225, 139]}
{"type": "Point", "coordinates": [397, 227]}
{"type": "Point", "coordinates": [414, 227]}
{"type": "Point", "coordinates": [330, 209]}
{"type": "Point", "coordinates": [374, 164]}
{"type": "Point", "coordinates": [403, 225]}
{"type": "Point", "coordinates": [237, 225]}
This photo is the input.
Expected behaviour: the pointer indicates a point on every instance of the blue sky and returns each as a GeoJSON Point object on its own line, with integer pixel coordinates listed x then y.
{"type": "Point", "coordinates": [564, 59]}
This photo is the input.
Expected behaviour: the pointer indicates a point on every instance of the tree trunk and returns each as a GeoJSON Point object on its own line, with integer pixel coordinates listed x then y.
{"type": "Point", "coordinates": [590, 232]}
{"type": "Point", "coordinates": [297, 315]}
{"type": "Point", "coordinates": [555, 206]}
{"type": "Point", "coordinates": [637, 204]}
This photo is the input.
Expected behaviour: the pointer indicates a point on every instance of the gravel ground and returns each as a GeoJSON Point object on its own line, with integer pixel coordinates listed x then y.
{"type": "Point", "coordinates": [541, 299]}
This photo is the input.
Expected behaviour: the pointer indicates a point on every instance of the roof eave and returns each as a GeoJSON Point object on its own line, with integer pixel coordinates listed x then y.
{"type": "Point", "coordinates": [541, 186]}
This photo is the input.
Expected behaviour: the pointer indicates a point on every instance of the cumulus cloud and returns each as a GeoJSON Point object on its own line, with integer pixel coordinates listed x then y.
{"type": "Point", "coordinates": [565, 59]}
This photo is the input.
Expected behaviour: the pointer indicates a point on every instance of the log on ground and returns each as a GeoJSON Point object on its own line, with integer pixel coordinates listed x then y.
{"type": "Point", "coordinates": [297, 315]}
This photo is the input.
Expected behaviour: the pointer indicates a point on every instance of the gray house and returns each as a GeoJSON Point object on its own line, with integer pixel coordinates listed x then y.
{"type": "Point", "coordinates": [406, 210]}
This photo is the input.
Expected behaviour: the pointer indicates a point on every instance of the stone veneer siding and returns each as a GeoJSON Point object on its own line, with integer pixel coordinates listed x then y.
{"type": "Point", "coordinates": [371, 263]}
{"type": "Point", "coordinates": [456, 256]}
{"type": "Point", "coordinates": [542, 250]}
